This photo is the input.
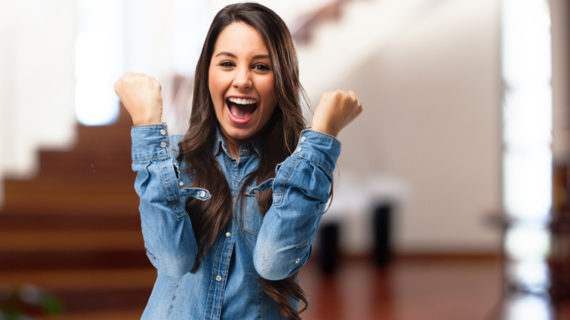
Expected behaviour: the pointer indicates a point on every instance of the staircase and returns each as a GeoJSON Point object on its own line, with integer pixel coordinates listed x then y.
{"type": "Point", "coordinates": [74, 229]}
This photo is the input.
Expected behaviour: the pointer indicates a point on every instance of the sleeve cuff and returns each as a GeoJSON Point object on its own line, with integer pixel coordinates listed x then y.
{"type": "Point", "coordinates": [149, 142]}
{"type": "Point", "coordinates": [319, 148]}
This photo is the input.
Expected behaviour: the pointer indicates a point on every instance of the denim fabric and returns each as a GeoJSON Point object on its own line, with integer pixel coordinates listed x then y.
{"type": "Point", "coordinates": [226, 285]}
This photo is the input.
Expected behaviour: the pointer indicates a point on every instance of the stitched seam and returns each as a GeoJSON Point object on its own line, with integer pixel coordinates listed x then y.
{"type": "Point", "coordinates": [279, 199]}
{"type": "Point", "coordinates": [163, 174]}
{"type": "Point", "coordinates": [320, 164]}
{"type": "Point", "coordinates": [173, 298]}
{"type": "Point", "coordinates": [245, 224]}
{"type": "Point", "coordinates": [249, 231]}
{"type": "Point", "coordinates": [225, 272]}
{"type": "Point", "coordinates": [304, 244]}
{"type": "Point", "coordinates": [292, 169]}
{"type": "Point", "coordinates": [278, 203]}
{"type": "Point", "coordinates": [260, 303]}
{"type": "Point", "coordinates": [212, 292]}
{"type": "Point", "coordinates": [176, 209]}
{"type": "Point", "coordinates": [151, 159]}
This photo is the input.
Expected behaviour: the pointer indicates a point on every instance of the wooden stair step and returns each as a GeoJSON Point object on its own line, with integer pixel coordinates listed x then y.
{"type": "Point", "coordinates": [81, 204]}
{"type": "Point", "coordinates": [87, 279]}
{"type": "Point", "coordinates": [50, 219]}
{"type": "Point", "coordinates": [49, 260]}
{"type": "Point", "coordinates": [72, 185]}
{"type": "Point", "coordinates": [107, 315]}
{"type": "Point", "coordinates": [35, 241]}
{"type": "Point", "coordinates": [82, 300]}
{"type": "Point", "coordinates": [84, 162]}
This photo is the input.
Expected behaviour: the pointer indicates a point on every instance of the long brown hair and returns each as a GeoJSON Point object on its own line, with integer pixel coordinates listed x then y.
{"type": "Point", "coordinates": [281, 134]}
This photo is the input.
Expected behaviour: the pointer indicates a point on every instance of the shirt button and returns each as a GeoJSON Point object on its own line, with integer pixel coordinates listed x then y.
{"type": "Point", "coordinates": [218, 278]}
{"type": "Point", "coordinates": [303, 138]}
{"type": "Point", "coordinates": [163, 144]}
{"type": "Point", "coordinates": [297, 260]}
{"type": "Point", "coordinates": [299, 149]}
{"type": "Point", "coordinates": [228, 234]}
{"type": "Point", "coordinates": [163, 132]}
{"type": "Point", "coordinates": [202, 194]}
{"type": "Point", "coordinates": [181, 183]}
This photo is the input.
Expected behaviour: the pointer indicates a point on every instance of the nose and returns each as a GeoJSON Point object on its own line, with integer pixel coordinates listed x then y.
{"type": "Point", "coordinates": [242, 79]}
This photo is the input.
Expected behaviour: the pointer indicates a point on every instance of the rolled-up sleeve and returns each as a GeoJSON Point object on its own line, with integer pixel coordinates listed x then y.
{"type": "Point", "coordinates": [301, 190]}
{"type": "Point", "coordinates": [166, 227]}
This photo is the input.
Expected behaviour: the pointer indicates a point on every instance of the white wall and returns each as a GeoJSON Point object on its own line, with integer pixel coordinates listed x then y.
{"type": "Point", "coordinates": [36, 81]}
{"type": "Point", "coordinates": [432, 110]}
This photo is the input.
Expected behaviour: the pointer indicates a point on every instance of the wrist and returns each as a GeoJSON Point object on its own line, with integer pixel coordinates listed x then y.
{"type": "Point", "coordinates": [325, 130]}
{"type": "Point", "coordinates": [144, 121]}
{"type": "Point", "coordinates": [141, 123]}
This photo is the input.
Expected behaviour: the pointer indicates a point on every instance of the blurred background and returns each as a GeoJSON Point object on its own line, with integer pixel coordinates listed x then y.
{"type": "Point", "coordinates": [451, 193]}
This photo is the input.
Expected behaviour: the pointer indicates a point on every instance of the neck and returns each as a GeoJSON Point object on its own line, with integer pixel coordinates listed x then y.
{"type": "Point", "coordinates": [233, 148]}
{"type": "Point", "coordinates": [232, 144]}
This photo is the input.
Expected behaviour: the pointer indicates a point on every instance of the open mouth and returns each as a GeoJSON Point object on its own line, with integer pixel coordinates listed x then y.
{"type": "Point", "coordinates": [241, 109]}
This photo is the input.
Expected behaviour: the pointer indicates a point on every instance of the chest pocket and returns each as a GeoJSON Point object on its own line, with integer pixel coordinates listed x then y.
{"type": "Point", "coordinates": [250, 217]}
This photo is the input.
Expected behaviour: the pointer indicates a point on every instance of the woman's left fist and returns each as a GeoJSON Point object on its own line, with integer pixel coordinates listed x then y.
{"type": "Point", "coordinates": [335, 111]}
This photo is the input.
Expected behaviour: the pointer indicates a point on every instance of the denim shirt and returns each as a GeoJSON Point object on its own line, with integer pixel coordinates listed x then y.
{"type": "Point", "coordinates": [226, 285]}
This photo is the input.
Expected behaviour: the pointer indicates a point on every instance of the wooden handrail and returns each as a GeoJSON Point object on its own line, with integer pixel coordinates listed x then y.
{"type": "Point", "coordinates": [303, 28]}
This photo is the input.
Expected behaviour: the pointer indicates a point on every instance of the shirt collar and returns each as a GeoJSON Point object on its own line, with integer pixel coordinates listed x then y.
{"type": "Point", "coordinates": [220, 144]}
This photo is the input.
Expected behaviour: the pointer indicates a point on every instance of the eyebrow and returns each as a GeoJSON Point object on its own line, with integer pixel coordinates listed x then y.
{"type": "Point", "coordinates": [257, 56]}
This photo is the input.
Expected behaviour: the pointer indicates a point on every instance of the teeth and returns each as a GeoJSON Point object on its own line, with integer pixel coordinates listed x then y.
{"type": "Point", "coordinates": [242, 101]}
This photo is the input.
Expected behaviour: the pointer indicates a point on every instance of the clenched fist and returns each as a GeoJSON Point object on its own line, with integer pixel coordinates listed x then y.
{"type": "Point", "coordinates": [140, 94]}
{"type": "Point", "coordinates": [335, 110]}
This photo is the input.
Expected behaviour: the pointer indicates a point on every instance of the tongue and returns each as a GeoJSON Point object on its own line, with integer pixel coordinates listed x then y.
{"type": "Point", "coordinates": [241, 111]}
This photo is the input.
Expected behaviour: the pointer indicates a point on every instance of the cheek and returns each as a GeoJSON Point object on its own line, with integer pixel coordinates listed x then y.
{"type": "Point", "coordinates": [212, 85]}
{"type": "Point", "coordinates": [267, 89]}
{"type": "Point", "coordinates": [269, 96]}
{"type": "Point", "coordinates": [216, 88]}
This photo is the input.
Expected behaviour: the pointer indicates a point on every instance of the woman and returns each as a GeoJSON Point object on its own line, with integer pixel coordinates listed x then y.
{"type": "Point", "coordinates": [229, 211]}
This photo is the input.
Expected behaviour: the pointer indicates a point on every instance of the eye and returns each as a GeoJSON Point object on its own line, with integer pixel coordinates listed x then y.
{"type": "Point", "coordinates": [227, 64]}
{"type": "Point", "coordinates": [261, 67]}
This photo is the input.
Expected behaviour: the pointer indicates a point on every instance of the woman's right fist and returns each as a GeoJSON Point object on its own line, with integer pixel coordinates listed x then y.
{"type": "Point", "coordinates": [140, 94]}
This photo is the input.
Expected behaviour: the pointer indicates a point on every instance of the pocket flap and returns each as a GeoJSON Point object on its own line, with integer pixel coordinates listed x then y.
{"type": "Point", "coordinates": [198, 193]}
{"type": "Point", "coordinates": [253, 190]}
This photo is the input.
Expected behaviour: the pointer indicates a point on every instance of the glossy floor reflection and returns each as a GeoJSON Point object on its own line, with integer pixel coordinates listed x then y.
{"type": "Point", "coordinates": [420, 289]}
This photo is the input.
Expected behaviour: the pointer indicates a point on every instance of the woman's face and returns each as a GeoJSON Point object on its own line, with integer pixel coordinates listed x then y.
{"type": "Point", "coordinates": [241, 83]}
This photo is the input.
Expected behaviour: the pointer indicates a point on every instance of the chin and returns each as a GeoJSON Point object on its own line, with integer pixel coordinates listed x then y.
{"type": "Point", "coordinates": [240, 134]}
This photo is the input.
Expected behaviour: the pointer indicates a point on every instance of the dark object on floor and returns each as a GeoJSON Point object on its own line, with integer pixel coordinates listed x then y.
{"type": "Point", "coordinates": [328, 236]}
{"type": "Point", "coordinates": [382, 220]}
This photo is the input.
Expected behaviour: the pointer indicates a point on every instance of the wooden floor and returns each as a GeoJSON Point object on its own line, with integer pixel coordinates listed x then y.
{"type": "Point", "coordinates": [408, 289]}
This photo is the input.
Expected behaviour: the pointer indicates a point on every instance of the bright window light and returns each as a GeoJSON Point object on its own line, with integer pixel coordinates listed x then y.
{"type": "Point", "coordinates": [527, 110]}
{"type": "Point", "coordinates": [98, 60]}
